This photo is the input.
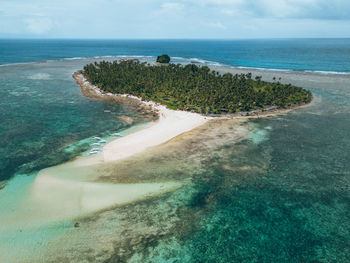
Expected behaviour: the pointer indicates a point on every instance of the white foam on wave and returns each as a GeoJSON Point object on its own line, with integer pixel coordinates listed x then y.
{"type": "Point", "coordinates": [134, 56]}
{"type": "Point", "coordinates": [315, 72]}
{"type": "Point", "coordinates": [199, 61]}
{"type": "Point", "coordinates": [75, 58]}
{"type": "Point", "coordinates": [177, 57]}
{"type": "Point", "coordinates": [188, 60]}
{"type": "Point", "coordinates": [207, 62]}
{"type": "Point", "coordinates": [17, 64]}
{"type": "Point", "coordinates": [322, 72]}
{"type": "Point", "coordinates": [262, 69]}
{"type": "Point", "coordinates": [104, 56]}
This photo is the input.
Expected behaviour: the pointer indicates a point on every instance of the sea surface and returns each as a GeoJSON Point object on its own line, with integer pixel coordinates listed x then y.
{"type": "Point", "coordinates": [320, 55]}
{"type": "Point", "coordinates": [282, 194]}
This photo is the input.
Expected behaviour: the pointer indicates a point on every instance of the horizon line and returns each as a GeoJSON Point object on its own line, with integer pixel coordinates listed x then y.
{"type": "Point", "coordinates": [220, 39]}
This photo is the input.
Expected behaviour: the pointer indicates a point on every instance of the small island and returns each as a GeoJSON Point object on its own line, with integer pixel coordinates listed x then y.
{"type": "Point", "coordinates": [193, 88]}
{"type": "Point", "coordinates": [163, 59]}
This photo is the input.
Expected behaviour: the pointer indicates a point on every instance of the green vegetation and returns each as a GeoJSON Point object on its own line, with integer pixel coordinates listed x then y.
{"type": "Point", "coordinates": [193, 88]}
{"type": "Point", "coordinates": [163, 59]}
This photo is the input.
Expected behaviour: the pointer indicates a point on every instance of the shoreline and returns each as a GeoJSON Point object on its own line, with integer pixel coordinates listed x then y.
{"type": "Point", "coordinates": [92, 91]}
{"type": "Point", "coordinates": [170, 123]}
{"type": "Point", "coordinates": [72, 189]}
{"type": "Point", "coordinates": [166, 118]}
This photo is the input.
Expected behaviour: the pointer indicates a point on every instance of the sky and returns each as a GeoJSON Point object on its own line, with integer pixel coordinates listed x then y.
{"type": "Point", "coordinates": [144, 19]}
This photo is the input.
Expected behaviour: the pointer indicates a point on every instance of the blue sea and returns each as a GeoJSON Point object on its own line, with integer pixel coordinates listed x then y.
{"type": "Point", "coordinates": [280, 194]}
{"type": "Point", "coordinates": [320, 55]}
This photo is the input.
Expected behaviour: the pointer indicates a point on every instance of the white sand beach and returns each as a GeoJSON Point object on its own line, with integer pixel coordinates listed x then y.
{"type": "Point", "coordinates": [66, 193]}
{"type": "Point", "coordinates": [170, 124]}
{"type": "Point", "coordinates": [70, 190]}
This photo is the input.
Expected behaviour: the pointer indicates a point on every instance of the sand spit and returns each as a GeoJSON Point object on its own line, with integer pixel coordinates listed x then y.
{"type": "Point", "coordinates": [72, 189]}
{"type": "Point", "coordinates": [170, 124]}
{"type": "Point", "coordinates": [53, 199]}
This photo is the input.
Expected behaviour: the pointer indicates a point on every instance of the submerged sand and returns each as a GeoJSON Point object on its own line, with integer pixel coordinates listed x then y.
{"type": "Point", "coordinates": [75, 189]}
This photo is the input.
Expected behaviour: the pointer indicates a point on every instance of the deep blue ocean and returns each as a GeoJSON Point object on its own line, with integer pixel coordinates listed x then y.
{"type": "Point", "coordinates": [280, 194]}
{"type": "Point", "coordinates": [292, 54]}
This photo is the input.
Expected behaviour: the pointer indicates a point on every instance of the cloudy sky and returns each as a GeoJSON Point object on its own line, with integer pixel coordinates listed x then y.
{"type": "Point", "coordinates": [174, 19]}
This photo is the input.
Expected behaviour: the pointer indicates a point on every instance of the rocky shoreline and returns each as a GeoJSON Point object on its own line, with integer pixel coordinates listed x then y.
{"type": "Point", "coordinates": [91, 91]}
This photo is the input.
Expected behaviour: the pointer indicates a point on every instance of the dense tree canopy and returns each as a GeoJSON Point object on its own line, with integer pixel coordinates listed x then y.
{"type": "Point", "coordinates": [163, 59]}
{"type": "Point", "coordinates": [193, 88]}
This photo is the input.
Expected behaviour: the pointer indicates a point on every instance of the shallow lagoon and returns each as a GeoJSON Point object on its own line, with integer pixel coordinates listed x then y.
{"type": "Point", "coordinates": [279, 194]}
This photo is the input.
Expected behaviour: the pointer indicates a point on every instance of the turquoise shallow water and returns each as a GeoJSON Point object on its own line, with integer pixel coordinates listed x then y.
{"type": "Point", "coordinates": [280, 195]}
{"type": "Point", "coordinates": [44, 116]}
{"type": "Point", "coordinates": [296, 209]}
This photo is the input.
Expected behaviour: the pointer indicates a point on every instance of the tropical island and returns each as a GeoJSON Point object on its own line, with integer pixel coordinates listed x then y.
{"type": "Point", "coordinates": [193, 88]}
{"type": "Point", "coordinates": [163, 59]}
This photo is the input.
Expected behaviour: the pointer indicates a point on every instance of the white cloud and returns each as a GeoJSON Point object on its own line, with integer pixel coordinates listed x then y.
{"type": "Point", "coordinates": [314, 9]}
{"type": "Point", "coordinates": [39, 25]}
{"type": "Point", "coordinates": [174, 18]}
{"type": "Point", "coordinates": [217, 25]}
{"type": "Point", "coordinates": [172, 6]}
